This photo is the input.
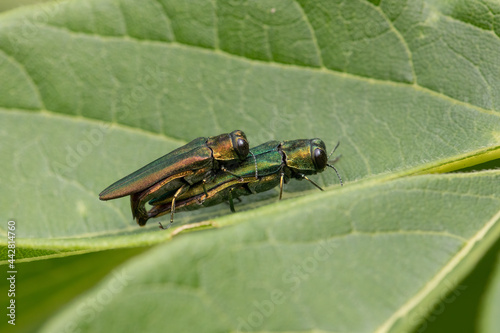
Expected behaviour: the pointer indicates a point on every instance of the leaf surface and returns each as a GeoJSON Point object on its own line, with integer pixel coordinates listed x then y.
{"type": "Point", "coordinates": [348, 269]}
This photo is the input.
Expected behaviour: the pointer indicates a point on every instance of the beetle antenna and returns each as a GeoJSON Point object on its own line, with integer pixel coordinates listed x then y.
{"type": "Point", "coordinates": [338, 175]}
{"type": "Point", "coordinates": [255, 160]}
{"type": "Point", "coordinates": [334, 149]}
{"type": "Point", "coordinates": [335, 159]}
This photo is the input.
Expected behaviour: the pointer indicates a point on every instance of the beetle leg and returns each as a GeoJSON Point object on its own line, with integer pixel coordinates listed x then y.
{"type": "Point", "coordinates": [138, 204]}
{"type": "Point", "coordinates": [138, 200]}
{"type": "Point", "coordinates": [305, 177]}
{"type": "Point", "coordinates": [282, 178]}
{"type": "Point", "coordinates": [232, 174]}
{"type": "Point", "coordinates": [205, 188]}
{"type": "Point", "coordinates": [231, 203]}
{"type": "Point", "coordinates": [179, 192]}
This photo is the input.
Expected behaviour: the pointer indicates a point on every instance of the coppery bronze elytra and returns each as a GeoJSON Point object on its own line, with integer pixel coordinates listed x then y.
{"type": "Point", "coordinates": [196, 162]}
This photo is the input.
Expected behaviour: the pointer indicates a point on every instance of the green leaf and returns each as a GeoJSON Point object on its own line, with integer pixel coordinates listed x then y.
{"type": "Point", "coordinates": [88, 101]}
{"type": "Point", "coordinates": [44, 287]}
{"type": "Point", "coordinates": [351, 268]}
{"type": "Point", "coordinates": [460, 309]}
{"type": "Point", "coordinates": [491, 306]}
{"type": "Point", "coordinates": [91, 90]}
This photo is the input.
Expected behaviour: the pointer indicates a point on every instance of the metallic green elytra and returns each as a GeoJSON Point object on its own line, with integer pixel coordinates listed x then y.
{"type": "Point", "coordinates": [196, 162]}
{"type": "Point", "coordinates": [268, 165]}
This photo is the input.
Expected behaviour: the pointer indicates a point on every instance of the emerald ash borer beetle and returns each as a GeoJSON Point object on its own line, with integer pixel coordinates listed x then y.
{"type": "Point", "coordinates": [268, 165]}
{"type": "Point", "coordinates": [197, 162]}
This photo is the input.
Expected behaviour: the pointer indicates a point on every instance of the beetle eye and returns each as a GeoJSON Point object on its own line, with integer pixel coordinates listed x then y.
{"type": "Point", "coordinates": [242, 147]}
{"type": "Point", "coordinates": [319, 158]}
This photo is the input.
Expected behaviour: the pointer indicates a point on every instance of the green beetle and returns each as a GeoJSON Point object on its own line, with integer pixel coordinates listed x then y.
{"type": "Point", "coordinates": [196, 162]}
{"type": "Point", "coordinates": [268, 165]}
